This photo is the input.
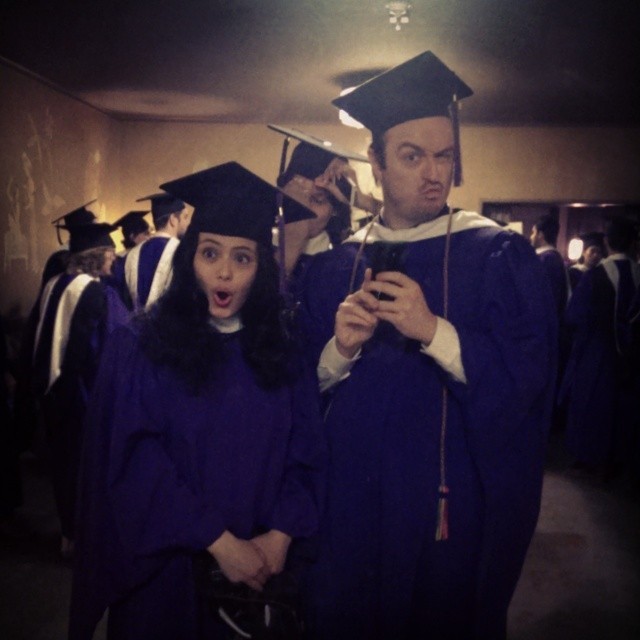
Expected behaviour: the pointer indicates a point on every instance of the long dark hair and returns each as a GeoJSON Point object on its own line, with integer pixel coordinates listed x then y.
{"type": "Point", "coordinates": [176, 332]}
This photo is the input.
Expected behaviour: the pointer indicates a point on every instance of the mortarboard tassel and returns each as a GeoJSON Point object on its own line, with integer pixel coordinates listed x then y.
{"type": "Point", "coordinates": [442, 529]}
{"type": "Point", "coordinates": [280, 222]}
{"type": "Point", "coordinates": [457, 155]}
{"type": "Point", "coordinates": [442, 526]}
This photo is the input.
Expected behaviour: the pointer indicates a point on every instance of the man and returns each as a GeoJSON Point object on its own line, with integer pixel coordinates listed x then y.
{"type": "Point", "coordinates": [439, 395]}
{"type": "Point", "coordinates": [603, 366]}
{"type": "Point", "coordinates": [148, 265]}
{"type": "Point", "coordinates": [544, 236]}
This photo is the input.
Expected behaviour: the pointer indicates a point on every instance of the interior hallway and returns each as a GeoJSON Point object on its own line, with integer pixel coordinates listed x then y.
{"type": "Point", "coordinates": [580, 580]}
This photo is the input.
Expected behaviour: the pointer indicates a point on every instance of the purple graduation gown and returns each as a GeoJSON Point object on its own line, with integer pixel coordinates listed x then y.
{"type": "Point", "coordinates": [598, 384]}
{"type": "Point", "coordinates": [148, 256]}
{"type": "Point", "coordinates": [165, 472]}
{"type": "Point", "coordinates": [380, 573]}
{"type": "Point", "coordinates": [96, 312]}
{"type": "Point", "coordinates": [556, 273]}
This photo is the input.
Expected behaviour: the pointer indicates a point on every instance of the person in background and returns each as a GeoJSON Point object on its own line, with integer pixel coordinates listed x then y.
{"type": "Point", "coordinates": [437, 352]}
{"type": "Point", "coordinates": [11, 494]}
{"type": "Point", "coordinates": [205, 439]}
{"type": "Point", "coordinates": [603, 368]}
{"type": "Point", "coordinates": [57, 261]}
{"type": "Point", "coordinates": [25, 412]}
{"type": "Point", "coordinates": [593, 250]}
{"type": "Point", "coordinates": [135, 230]}
{"type": "Point", "coordinates": [319, 176]}
{"type": "Point", "coordinates": [147, 266]}
{"type": "Point", "coordinates": [544, 236]}
{"type": "Point", "coordinates": [77, 313]}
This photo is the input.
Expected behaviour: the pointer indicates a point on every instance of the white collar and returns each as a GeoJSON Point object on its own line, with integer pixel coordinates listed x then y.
{"type": "Point", "coordinates": [544, 249]}
{"type": "Point", "coordinates": [227, 325]}
{"type": "Point", "coordinates": [317, 244]}
{"type": "Point", "coordinates": [616, 256]}
{"type": "Point", "coordinates": [460, 221]}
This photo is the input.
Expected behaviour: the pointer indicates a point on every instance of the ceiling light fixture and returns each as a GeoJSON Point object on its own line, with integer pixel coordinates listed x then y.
{"type": "Point", "coordinates": [398, 13]}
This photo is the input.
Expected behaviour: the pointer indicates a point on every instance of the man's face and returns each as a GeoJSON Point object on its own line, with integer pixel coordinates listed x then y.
{"type": "Point", "coordinates": [418, 174]}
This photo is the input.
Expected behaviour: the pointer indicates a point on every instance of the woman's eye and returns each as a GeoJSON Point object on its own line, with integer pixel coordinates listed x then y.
{"type": "Point", "coordinates": [243, 258]}
{"type": "Point", "coordinates": [209, 254]}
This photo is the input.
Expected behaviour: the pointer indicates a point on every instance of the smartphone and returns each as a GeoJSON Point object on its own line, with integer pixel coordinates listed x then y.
{"type": "Point", "coordinates": [387, 256]}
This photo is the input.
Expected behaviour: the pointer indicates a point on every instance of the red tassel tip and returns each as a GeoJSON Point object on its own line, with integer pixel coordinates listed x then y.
{"type": "Point", "coordinates": [442, 529]}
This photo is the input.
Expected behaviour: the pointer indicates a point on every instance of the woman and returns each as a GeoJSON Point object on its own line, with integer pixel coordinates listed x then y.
{"type": "Point", "coordinates": [77, 313]}
{"type": "Point", "coordinates": [326, 184]}
{"type": "Point", "coordinates": [593, 251]}
{"type": "Point", "coordinates": [207, 437]}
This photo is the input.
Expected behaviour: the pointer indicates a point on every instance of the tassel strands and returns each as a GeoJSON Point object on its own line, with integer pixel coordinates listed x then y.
{"type": "Point", "coordinates": [442, 530]}
{"type": "Point", "coordinates": [457, 159]}
{"type": "Point", "coordinates": [442, 526]}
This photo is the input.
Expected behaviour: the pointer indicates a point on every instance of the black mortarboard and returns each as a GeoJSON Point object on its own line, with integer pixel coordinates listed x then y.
{"type": "Point", "coordinates": [90, 236]}
{"type": "Point", "coordinates": [421, 87]}
{"type": "Point", "coordinates": [232, 201]}
{"type": "Point", "coordinates": [78, 216]}
{"type": "Point", "coordinates": [311, 157]}
{"type": "Point", "coordinates": [132, 223]}
{"type": "Point", "coordinates": [73, 219]}
{"type": "Point", "coordinates": [163, 204]}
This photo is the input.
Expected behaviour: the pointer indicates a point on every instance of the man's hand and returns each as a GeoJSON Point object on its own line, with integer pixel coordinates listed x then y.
{"type": "Point", "coordinates": [408, 310]}
{"type": "Point", "coordinates": [240, 560]}
{"type": "Point", "coordinates": [356, 320]}
{"type": "Point", "coordinates": [273, 546]}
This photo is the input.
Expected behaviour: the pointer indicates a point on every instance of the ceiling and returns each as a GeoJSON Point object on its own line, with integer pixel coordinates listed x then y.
{"type": "Point", "coordinates": [529, 61]}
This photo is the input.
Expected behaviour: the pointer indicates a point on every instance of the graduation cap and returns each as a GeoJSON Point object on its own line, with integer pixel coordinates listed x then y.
{"type": "Point", "coordinates": [91, 236]}
{"type": "Point", "coordinates": [74, 218]}
{"type": "Point", "coordinates": [422, 87]}
{"type": "Point", "coordinates": [311, 157]}
{"type": "Point", "coordinates": [132, 223]}
{"type": "Point", "coordinates": [232, 201]}
{"type": "Point", "coordinates": [162, 205]}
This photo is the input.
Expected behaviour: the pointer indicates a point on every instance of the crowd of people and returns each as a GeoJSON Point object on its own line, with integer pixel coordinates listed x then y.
{"type": "Point", "coordinates": [265, 422]}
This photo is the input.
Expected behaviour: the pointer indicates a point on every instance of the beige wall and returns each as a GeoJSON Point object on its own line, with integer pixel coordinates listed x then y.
{"type": "Point", "coordinates": [58, 153]}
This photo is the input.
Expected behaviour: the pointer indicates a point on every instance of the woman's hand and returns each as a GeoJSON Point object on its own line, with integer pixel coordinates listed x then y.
{"type": "Point", "coordinates": [337, 169]}
{"type": "Point", "coordinates": [240, 560]}
{"type": "Point", "coordinates": [273, 546]}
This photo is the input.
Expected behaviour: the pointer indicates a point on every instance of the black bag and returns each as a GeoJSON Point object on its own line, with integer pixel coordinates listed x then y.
{"type": "Point", "coordinates": [270, 614]}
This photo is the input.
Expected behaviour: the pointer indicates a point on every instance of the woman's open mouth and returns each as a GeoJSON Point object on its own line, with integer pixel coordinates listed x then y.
{"type": "Point", "coordinates": [222, 298]}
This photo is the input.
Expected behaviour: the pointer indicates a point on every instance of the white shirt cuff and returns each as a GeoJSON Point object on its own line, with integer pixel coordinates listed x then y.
{"type": "Point", "coordinates": [445, 350]}
{"type": "Point", "coordinates": [333, 366]}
